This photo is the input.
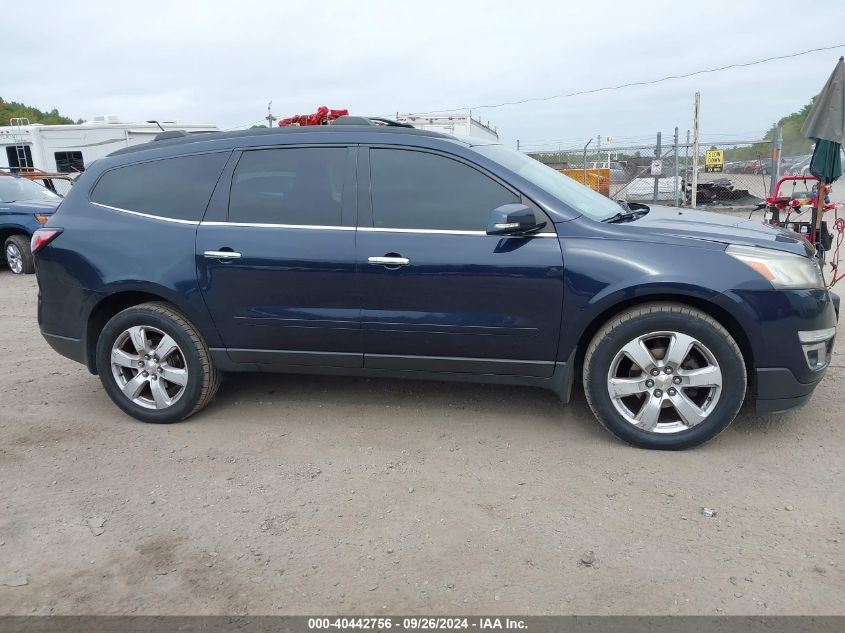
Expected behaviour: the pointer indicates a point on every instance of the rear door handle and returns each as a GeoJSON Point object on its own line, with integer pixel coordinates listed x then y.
{"type": "Point", "coordinates": [388, 261]}
{"type": "Point", "coordinates": [221, 255]}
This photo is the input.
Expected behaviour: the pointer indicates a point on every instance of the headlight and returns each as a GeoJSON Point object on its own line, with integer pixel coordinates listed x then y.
{"type": "Point", "coordinates": [783, 270]}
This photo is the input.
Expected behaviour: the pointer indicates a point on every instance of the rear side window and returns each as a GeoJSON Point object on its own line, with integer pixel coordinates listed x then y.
{"type": "Point", "coordinates": [299, 185]}
{"type": "Point", "coordinates": [418, 190]}
{"type": "Point", "coordinates": [176, 188]}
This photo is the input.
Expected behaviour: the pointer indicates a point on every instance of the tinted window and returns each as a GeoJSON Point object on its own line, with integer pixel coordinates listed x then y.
{"type": "Point", "coordinates": [289, 186]}
{"type": "Point", "coordinates": [176, 188]}
{"type": "Point", "coordinates": [69, 162]}
{"type": "Point", "coordinates": [416, 190]}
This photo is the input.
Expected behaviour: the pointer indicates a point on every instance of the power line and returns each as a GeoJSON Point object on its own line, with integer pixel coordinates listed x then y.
{"type": "Point", "coordinates": [640, 83]}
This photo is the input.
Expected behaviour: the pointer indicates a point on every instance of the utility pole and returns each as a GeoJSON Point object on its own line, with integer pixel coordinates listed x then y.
{"type": "Point", "coordinates": [675, 171]}
{"type": "Point", "coordinates": [270, 118]}
{"type": "Point", "coordinates": [598, 146]}
{"type": "Point", "coordinates": [777, 146]}
{"type": "Point", "coordinates": [586, 184]}
{"type": "Point", "coordinates": [517, 145]}
{"type": "Point", "coordinates": [695, 138]}
{"type": "Point", "coordinates": [657, 153]}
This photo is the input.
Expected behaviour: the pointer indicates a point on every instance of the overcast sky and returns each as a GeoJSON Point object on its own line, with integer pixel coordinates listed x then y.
{"type": "Point", "coordinates": [221, 62]}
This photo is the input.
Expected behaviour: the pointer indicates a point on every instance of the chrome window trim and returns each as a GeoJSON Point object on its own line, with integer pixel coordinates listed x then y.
{"type": "Point", "coordinates": [145, 215]}
{"type": "Point", "coordinates": [366, 229]}
{"type": "Point", "coordinates": [372, 229]}
{"type": "Point", "coordinates": [264, 225]}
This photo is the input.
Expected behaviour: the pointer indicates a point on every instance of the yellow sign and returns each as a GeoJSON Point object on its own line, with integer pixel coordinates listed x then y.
{"type": "Point", "coordinates": [714, 160]}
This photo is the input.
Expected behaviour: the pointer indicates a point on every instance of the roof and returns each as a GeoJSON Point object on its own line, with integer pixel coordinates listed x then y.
{"type": "Point", "coordinates": [257, 132]}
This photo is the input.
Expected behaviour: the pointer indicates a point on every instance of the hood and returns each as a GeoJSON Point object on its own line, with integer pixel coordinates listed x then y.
{"type": "Point", "coordinates": [719, 227]}
{"type": "Point", "coordinates": [31, 206]}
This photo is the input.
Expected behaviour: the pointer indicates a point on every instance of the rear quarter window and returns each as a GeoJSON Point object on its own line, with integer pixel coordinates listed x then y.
{"type": "Point", "coordinates": [176, 188]}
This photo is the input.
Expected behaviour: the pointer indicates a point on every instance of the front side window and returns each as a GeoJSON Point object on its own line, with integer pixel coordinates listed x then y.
{"type": "Point", "coordinates": [419, 190]}
{"type": "Point", "coordinates": [582, 199]}
{"type": "Point", "coordinates": [297, 185]}
{"type": "Point", "coordinates": [69, 162]}
{"type": "Point", "coordinates": [177, 188]}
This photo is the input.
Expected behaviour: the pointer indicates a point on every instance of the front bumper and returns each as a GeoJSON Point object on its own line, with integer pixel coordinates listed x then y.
{"type": "Point", "coordinates": [777, 388]}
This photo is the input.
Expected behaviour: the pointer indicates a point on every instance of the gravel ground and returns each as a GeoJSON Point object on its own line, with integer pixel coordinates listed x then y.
{"type": "Point", "coordinates": [294, 495]}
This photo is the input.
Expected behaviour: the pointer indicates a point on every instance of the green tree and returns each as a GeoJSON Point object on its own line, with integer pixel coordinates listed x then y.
{"type": "Point", "coordinates": [14, 109]}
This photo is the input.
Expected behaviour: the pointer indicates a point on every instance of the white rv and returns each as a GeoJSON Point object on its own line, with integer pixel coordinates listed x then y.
{"type": "Point", "coordinates": [71, 148]}
{"type": "Point", "coordinates": [457, 125]}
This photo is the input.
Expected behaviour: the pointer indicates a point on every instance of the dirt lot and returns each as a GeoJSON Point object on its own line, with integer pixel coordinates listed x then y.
{"type": "Point", "coordinates": [325, 495]}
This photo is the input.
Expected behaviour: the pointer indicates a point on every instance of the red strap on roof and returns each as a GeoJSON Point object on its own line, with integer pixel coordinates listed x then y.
{"type": "Point", "coordinates": [321, 117]}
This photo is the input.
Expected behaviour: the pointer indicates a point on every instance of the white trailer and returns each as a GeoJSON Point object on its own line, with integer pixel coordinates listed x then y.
{"type": "Point", "coordinates": [456, 125]}
{"type": "Point", "coordinates": [71, 148]}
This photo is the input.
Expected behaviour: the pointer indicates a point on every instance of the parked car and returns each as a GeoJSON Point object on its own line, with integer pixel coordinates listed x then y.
{"type": "Point", "coordinates": [24, 207]}
{"type": "Point", "coordinates": [800, 167]}
{"type": "Point", "coordinates": [399, 253]}
{"type": "Point", "coordinates": [763, 167]}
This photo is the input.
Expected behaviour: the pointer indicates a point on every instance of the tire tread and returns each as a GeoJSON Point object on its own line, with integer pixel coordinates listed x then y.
{"type": "Point", "coordinates": [659, 307]}
{"type": "Point", "coordinates": [209, 373]}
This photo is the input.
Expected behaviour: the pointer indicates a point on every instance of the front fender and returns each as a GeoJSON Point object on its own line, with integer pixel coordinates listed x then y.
{"type": "Point", "coordinates": [603, 276]}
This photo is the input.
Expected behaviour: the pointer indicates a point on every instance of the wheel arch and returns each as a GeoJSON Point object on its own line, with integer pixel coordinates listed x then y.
{"type": "Point", "coordinates": [721, 315]}
{"type": "Point", "coordinates": [105, 309]}
{"type": "Point", "coordinates": [8, 231]}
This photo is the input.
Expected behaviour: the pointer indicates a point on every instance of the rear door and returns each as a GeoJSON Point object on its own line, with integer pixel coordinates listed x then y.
{"type": "Point", "coordinates": [277, 271]}
{"type": "Point", "coordinates": [438, 293]}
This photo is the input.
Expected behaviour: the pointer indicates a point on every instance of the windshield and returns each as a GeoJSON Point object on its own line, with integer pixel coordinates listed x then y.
{"type": "Point", "coordinates": [580, 198]}
{"type": "Point", "coordinates": [13, 188]}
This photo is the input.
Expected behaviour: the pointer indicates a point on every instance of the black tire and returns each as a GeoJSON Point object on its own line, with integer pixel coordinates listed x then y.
{"type": "Point", "coordinates": [21, 243]}
{"type": "Point", "coordinates": [203, 378]}
{"type": "Point", "coordinates": [664, 317]}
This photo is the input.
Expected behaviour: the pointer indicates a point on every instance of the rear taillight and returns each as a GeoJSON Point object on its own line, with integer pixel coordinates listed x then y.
{"type": "Point", "coordinates": [42, 237]}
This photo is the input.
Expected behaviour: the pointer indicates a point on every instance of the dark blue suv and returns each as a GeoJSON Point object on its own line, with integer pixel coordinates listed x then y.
{"type": "Point", "coordinates": [377, 250]}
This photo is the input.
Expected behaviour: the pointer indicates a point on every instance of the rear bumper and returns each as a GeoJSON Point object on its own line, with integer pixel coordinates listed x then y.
{"type": "Point", "coordinates": [72, 348]}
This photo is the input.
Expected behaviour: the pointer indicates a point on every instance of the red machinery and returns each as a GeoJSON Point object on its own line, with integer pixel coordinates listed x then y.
{"type": "Point", "coordinates": [323, 116]}
{"type": "Point", "coordinates": [797, 203]}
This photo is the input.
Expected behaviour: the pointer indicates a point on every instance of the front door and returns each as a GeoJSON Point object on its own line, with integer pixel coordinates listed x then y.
{"type": "Point", "coordinates": [438, 293]}
{"type": "Point", "coordinates": [278, 275]}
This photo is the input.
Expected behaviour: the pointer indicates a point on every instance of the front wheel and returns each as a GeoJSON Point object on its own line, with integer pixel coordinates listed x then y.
{"type": "Point", "coordinates": [664, 376]}
{"type": "Point", "coordinates": [18, 255]}
{"type": "Point", "coordinates": [154, 364]}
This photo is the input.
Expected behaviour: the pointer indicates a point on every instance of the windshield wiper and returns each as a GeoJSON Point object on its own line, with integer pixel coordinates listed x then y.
{"type": "Point", "coordinates": [633, 211]}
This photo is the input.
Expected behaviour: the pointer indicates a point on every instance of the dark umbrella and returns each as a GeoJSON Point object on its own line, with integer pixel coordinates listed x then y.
{"type": "Point", "coordinates": [826, 124]}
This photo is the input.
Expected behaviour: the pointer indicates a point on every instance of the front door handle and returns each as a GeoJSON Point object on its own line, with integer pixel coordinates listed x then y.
{"type": "Point", "coordinates": [388, 261]}
{"type": "Point", "coordinates": [221, 255]}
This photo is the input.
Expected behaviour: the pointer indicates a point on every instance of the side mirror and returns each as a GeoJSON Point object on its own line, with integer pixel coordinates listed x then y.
{"type": "Point", "coordinates": [512, 219]}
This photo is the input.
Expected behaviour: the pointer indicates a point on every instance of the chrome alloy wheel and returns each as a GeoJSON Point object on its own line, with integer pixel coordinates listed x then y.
{"type": "Point", "coordinates": [149, 367]}
{"type": "Point", "coordinates": [664, 382]}
{"type": "Point", "coordinates": [14, 258]}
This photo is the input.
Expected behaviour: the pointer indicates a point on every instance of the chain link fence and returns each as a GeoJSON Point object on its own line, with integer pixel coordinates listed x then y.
{"type": "Point", "coordinates": [734, 174]}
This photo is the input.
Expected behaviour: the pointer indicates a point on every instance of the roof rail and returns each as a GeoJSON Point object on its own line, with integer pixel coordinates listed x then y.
{"type": "Point", "coordinates": [368, 120]}
{"type": "Point", "coordinates": [389, 122]}
{"type": "Point", "coordinates": [163, 136]}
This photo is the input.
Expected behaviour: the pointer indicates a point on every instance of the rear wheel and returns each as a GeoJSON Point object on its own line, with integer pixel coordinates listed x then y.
{"type": "Point", "coordinates": [18, 256]}
{"type": "Point", "coordinates": [154, 364]}
{"type": "Point", "coordinates": [664, 376]}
